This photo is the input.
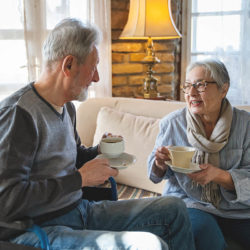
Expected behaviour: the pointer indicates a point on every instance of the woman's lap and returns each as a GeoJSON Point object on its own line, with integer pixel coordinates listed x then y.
{"type": "Point", "coordinates": [210, 231]}
{"type": "Point", "coordinates": [207, 233]}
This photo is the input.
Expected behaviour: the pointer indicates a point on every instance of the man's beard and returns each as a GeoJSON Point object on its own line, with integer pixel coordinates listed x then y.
{"type": "Point", "coordinates": [83, 95]}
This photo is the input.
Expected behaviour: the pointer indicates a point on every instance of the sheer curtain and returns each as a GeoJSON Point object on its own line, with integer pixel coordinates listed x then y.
{"type": "Point", "coordinates": [40, 16]}
{"type": "Point", "coordinates": [34, 22]}
{"type": "Point", "coordinates": [100, 15]}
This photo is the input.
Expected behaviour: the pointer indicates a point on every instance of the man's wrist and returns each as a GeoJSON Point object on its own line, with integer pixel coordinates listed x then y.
{"type": "Point", "coordinates": [98, 149]}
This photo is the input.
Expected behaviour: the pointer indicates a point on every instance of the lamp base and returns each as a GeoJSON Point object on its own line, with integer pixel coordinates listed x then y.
{"type": "Point", "coordinates": [150, 83]}
{"type": "Point", "coordinates": [149, 95]}
{"type": "Point", "coordinates": [150, 86]}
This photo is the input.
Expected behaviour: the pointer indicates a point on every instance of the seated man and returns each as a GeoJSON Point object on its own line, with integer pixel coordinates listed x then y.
{"type": "Point", "coordinates": [43, 165]}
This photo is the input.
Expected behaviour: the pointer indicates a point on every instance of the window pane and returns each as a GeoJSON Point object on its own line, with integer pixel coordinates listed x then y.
{"type": "Point", "coordinates": [11, 14]}
{"type": "Point", "coordinates": [208, 38]}
{"type": "Point", "coordinates": [216, 5]}
{"type": "Point", "coordinates": [13, 62]}
{"type": "Point", "coordinates": [56, 10]}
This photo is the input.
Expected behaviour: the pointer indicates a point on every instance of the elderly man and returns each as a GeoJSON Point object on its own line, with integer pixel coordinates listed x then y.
{"type": "Point", "coordinates": [44, 166]}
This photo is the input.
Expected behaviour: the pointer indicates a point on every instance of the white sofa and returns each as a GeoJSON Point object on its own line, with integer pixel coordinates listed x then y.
{"type": "Point", "coordinates": [137, 121]}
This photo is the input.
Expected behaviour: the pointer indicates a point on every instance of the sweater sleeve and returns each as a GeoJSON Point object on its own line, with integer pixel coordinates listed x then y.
{"type": "Point", "coordinates": [85, 154]}
{"type": "Point", "coordinates": [19, 191]}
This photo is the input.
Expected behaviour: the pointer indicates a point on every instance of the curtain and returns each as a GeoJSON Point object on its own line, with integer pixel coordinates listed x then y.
{"type": "Point", "coordinates": [34, 35]}
{"type": "Point", "coordinates": [39, 15]}
{"type": "Point", "coordinates": [100, 15]}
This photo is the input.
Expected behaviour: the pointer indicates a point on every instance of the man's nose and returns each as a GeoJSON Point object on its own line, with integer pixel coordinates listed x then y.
{"type": "Point", "coordinates": [96, 76]}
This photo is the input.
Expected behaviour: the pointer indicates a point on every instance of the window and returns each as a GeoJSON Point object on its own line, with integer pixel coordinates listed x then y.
{"type": "Point", "coordinates": [221, 28]}
{"type": "Point", "coordinates": [24, 25]}
{"type": "Point", "coordinates": [12, 47]}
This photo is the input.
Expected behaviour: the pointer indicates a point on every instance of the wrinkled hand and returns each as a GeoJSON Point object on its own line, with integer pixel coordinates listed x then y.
{"type": "Point", "coordinates": [206, 175]}
{"type": "Point", "coordinates": [161, 155]}
{"type": "Point", "coordinates": [96, 172]}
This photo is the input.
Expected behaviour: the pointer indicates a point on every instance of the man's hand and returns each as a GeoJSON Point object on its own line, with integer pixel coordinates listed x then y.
{"type": "Point", "coordinates": [96, 172]}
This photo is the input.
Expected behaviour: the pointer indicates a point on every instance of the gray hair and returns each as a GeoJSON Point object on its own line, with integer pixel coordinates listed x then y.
{"type": "Point", "coordinates": [214, 69]}
{"type": "Point", "coordinates": [70, 37]}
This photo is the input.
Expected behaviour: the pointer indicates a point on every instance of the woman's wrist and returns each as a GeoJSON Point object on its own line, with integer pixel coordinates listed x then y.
{"type": "Point", "coordinates": [225, 180]}
{"type": "Point", "coordinates": [159, 171]}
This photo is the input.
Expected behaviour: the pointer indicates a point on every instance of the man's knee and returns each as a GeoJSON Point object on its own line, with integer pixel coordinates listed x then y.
{"type": "Point", "coordinates": [142, 241]}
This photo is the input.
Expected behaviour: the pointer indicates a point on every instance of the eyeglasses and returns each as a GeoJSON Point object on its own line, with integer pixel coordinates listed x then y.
{"type": "Point", "coordinates": [200, 86]}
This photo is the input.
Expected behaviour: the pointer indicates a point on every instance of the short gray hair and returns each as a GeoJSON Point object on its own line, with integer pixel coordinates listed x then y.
{"type": "Point", "coordinates": [214, 68]}
{"type": "Point", "coordinates": [70, 37]}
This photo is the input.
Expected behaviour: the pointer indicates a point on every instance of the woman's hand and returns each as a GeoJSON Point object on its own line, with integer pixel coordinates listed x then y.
{"type": "Point", "coordinates": [206, 175]}
{"type": "Point", "coordinates": [161, 155]}
{"type": "Point", "coordinates": [211, 173]}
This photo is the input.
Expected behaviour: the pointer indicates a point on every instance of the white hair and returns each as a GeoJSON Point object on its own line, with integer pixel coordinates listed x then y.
{"type": "Point", "coordinates": [70, 37]}
{"type": "Point", "coordinates": [214, 68]}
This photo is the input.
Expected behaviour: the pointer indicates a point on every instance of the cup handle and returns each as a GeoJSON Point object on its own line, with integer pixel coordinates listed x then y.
{"type": "Point", "coordinates": [170, 157]}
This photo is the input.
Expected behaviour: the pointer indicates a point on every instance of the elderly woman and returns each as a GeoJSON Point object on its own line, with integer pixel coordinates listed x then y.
{"type": "Point", "coordinates": [217, 196]}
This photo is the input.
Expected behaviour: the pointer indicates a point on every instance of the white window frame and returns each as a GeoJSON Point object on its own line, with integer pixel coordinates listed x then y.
{"type": "Point", "coordinates": [187, 33]}
{"type": "Point", "coordinates": [186, 40]}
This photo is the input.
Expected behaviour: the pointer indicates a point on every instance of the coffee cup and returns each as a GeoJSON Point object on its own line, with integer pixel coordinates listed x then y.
{"type": "Point", "coordinates": [112, 147]}
{"type": "Point", "coordinates": [181, 156]}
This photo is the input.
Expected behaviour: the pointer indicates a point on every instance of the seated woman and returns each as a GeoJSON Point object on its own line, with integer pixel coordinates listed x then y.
{"type": "Point", "coordinates": [217, 196]}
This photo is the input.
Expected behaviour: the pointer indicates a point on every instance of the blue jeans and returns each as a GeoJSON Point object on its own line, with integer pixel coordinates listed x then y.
{"type": "Point", "coordinates": [209, 230]}
{"type": "Point", "coordinates": [154, 223]}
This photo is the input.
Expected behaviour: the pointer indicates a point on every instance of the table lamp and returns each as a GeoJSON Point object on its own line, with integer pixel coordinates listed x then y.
{"type": "Point", "coordinates": [151, 20]}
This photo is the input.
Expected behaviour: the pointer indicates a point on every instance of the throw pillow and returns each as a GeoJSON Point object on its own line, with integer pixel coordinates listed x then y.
{"type": "Point", "coordinates": [139, 134]}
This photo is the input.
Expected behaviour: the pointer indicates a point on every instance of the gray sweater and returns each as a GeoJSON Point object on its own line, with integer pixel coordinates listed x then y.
{"type": "Point", "coordinates": [39, 155]}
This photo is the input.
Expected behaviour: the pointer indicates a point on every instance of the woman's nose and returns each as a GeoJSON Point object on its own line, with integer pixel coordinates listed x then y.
{"type": "Point", "coordinates": [193, 91]}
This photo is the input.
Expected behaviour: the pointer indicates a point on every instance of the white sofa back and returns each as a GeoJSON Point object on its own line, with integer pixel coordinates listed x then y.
{"type": "Point", "coordinates": [88, 110]}
{"type": "Point", "coordinates": [137, 120]}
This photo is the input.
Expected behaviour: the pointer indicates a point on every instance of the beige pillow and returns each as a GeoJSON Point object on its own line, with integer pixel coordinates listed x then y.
{"type": "Point", "coordinates": [139, 133]}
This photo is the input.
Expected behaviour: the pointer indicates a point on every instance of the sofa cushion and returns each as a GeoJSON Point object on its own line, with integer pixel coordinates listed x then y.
{"type": "Point", "coordinates": [139, 133]}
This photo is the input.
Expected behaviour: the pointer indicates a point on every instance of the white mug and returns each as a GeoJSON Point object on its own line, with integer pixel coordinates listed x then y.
{"type": "Point", "coordinates": [112, 147]}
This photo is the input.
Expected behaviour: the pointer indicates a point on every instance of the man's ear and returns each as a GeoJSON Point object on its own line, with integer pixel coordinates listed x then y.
{"type": "Point", "coordinates": [225, 88]}
{"type": "Point", "coordinates": [67, 64]}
